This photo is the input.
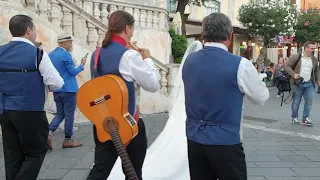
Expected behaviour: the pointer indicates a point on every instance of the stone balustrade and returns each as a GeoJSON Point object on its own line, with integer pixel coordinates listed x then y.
{"type": "Point", "coordinates": [87, 20]}
{"type": "Point", "coordinates": [145, 16]}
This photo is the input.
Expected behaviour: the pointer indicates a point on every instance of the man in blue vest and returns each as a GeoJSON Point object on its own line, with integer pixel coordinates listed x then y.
{"type": "Point", "coordinates": [115, 58]}
{"type": "Point", "coordinates": [215, 83]}
{"type": "Point", "coordinates": [65, 98]}
{"type": "Point", "coordinates": [22, 96]}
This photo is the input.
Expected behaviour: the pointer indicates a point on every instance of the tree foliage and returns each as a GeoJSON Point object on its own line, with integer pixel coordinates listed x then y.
{"type": "Point", "coordinates": [308, 26]}
{"type": "Point", "coordinates": [269, 19]}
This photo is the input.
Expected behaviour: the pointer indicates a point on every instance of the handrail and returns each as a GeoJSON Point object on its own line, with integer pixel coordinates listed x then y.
{"type": "Point", "coordinates": [82, 13]}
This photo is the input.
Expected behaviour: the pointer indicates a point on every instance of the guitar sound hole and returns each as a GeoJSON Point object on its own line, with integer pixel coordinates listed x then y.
{"type": "Point", "coordinates": [100, 100]}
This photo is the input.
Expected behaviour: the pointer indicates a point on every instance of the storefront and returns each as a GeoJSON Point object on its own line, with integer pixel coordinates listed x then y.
{"type": "Point", "coordinates": [194, 28]}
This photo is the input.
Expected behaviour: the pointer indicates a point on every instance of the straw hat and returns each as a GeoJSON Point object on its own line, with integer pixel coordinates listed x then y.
{"type": "Point", "coordinates": [64, 37]}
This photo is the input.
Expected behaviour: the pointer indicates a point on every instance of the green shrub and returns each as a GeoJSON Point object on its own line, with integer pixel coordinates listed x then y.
{"type": "Point", "coordinates": [179, 45]}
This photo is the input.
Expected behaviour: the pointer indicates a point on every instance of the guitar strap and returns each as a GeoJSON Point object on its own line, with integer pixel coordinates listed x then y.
{"type": "Point", "coordinates": [95, 71]}
{"type": "Point", "coordinates": [96, 59]}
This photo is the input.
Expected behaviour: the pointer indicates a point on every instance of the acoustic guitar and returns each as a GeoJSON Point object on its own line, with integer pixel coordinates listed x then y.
{"type": "Point", "coordinates": [104, 101]}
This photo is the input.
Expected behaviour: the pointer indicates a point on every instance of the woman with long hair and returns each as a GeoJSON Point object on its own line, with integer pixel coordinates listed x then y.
{"type": "Point", "coordinates": [167, 157]}
{"type": "Point", "coordinates": [115, 58]}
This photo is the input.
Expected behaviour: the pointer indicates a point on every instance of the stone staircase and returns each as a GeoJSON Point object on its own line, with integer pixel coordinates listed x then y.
{"type": "Point", "coordinates": [86, 20]}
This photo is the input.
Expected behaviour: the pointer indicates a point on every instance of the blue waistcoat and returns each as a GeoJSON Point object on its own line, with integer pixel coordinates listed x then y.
{"type": "Point", "coordinates": [109, 61]}
{"type": "Point", "coordinates": [213, 99]}
{"type": "Point", "coordinates": [21, 91]}
{"type": "Point", "coordinates": [63, 62]}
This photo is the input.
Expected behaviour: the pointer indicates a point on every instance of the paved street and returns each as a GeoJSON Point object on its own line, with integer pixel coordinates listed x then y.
{"type": "Point", "coordinates": [275, 149]}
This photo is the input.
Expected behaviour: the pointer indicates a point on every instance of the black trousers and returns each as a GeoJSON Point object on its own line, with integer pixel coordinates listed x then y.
{"type": "Point", "coordinates": [106, 155]}
{"type": "Point", "coordinates": [24, 137]}
{"type": "Point", "coordinates": [212, 162]}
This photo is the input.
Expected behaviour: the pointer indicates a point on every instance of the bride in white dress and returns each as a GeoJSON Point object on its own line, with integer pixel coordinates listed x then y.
{"type": "Point", "coordinates": [167, 157]}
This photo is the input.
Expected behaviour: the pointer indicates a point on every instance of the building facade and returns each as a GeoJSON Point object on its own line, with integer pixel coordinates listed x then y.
{"type": "Point", "coordinates": [306, 4]}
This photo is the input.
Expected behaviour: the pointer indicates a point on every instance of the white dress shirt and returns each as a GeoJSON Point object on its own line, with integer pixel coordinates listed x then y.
{"type": "Point", "coordinates": [248, 79]}
{"type": "Point", "coordinates": [49, 73]}
{"type": "Point", "coordinates": [133, 68]}
{"type": "Point", "coordinates": [306, 68]}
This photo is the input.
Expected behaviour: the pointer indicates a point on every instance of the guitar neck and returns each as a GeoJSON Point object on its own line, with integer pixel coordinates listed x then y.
{"type": "Point", "coordinates": [126, 162]}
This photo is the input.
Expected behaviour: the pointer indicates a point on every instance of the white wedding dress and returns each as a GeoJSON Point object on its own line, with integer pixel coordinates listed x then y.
{"type": "Point", "coordinates": [167, 157]}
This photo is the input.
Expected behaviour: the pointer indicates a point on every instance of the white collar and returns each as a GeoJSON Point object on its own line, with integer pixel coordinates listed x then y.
{"type": "Point", "coordinates": [21, 39]}
{"type": "Point", "coordinates": [217, 45]}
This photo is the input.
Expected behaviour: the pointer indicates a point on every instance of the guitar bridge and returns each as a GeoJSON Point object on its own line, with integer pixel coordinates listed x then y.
{"type": "Point", "coordinates": [100, 100]}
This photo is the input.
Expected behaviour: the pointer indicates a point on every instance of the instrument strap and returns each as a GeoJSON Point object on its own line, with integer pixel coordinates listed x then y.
{"type": "Point", "coordinates": [96, 60]}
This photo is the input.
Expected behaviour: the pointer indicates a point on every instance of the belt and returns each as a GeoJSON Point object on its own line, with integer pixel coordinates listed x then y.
{"type": "Point", "coordinates": [202, 122]}
{"type": "Point", "coordinates": [18, 70]}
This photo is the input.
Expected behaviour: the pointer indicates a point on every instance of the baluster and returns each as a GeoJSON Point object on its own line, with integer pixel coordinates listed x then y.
{"type": "Point", "coordinates": [104, 14]}
{"type": "Point", "coordinates": [113, 8]}
{"type": "Point", "coordinates": [155, 19]}
{"type": "Point", "coordinates": [80, 29]}
{"type": "Point", "coordinates": [67, 20]}
{"type": "Point", "coordinates": [149, 19]}
{"type": "Point", "coordinates": [30, 4]}
{"type": "Point", "coordinates": [43, 8]}
{"type": "Point", "coordinates": [129, 10]}
{"type": "Point", "coordinates": [136, 15]}
{"type": "Point", "coordinates": [137, 95]}
{"type": "Point", "coordinates": [120, 7]}
{"type": "Point", "coordinates": [84, 30]}
{"type": "Point", "coordinates": [92, 35]}
{"type": "Point", "coordinates": [96, 10]}
{"type": "Point", "coordinates": [143, 18]}
{"type": "Point", "coordinates": [87, 7]}
{"type": "Point", "coordinates": [49, 8]}
{"type": "Point", "coordinates": [77, 26]}
{"type": "Point", "coordinates": [55, 13]}
{"type": "Point", "coordinates": [163, 81]}
{"type": "Point", "coordinates": [162, 20]}
{"type": "Point", "coordinates": [101, 35]}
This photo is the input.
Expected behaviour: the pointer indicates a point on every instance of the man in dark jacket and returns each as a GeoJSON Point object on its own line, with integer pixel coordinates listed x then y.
{"type": "Point", "coordinates": [304, 72]}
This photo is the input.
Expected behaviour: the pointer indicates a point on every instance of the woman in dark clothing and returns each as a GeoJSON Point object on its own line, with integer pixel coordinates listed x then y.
{"type": "Point", "coordinates": [278, 72]}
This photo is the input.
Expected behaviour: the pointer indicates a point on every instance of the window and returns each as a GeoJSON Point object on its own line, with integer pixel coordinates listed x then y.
{"type": "Point", "coordinates": [212, 6]}
{"type": "Point", "coordinates": [293, 1]}
{"type": "Point", "coordinates": [172, 7]}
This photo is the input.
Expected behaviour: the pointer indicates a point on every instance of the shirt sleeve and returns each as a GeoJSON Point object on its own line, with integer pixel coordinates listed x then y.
{"type": "Point", "coordinates": [133, 68]}
{"type": "Point", "coordinates": [51, 76]}
{"type": "Point", "coordinates": [250, 83]}
{"type": "Point", "coordinates": [68, 61]}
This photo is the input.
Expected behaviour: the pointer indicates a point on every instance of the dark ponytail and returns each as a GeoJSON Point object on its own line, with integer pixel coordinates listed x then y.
{"type": "Point", "coordinates": [107, 39]}
{"type": "Point", "coordinates": [118, 21]}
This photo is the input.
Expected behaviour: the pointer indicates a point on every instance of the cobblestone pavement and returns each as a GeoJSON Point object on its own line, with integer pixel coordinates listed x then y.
{"type": "Point", "coordinates": [275, 148]}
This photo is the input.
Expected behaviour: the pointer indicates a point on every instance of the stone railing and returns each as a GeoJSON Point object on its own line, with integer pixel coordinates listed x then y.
{"type": "Point", "coordinates": [86, 20]}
